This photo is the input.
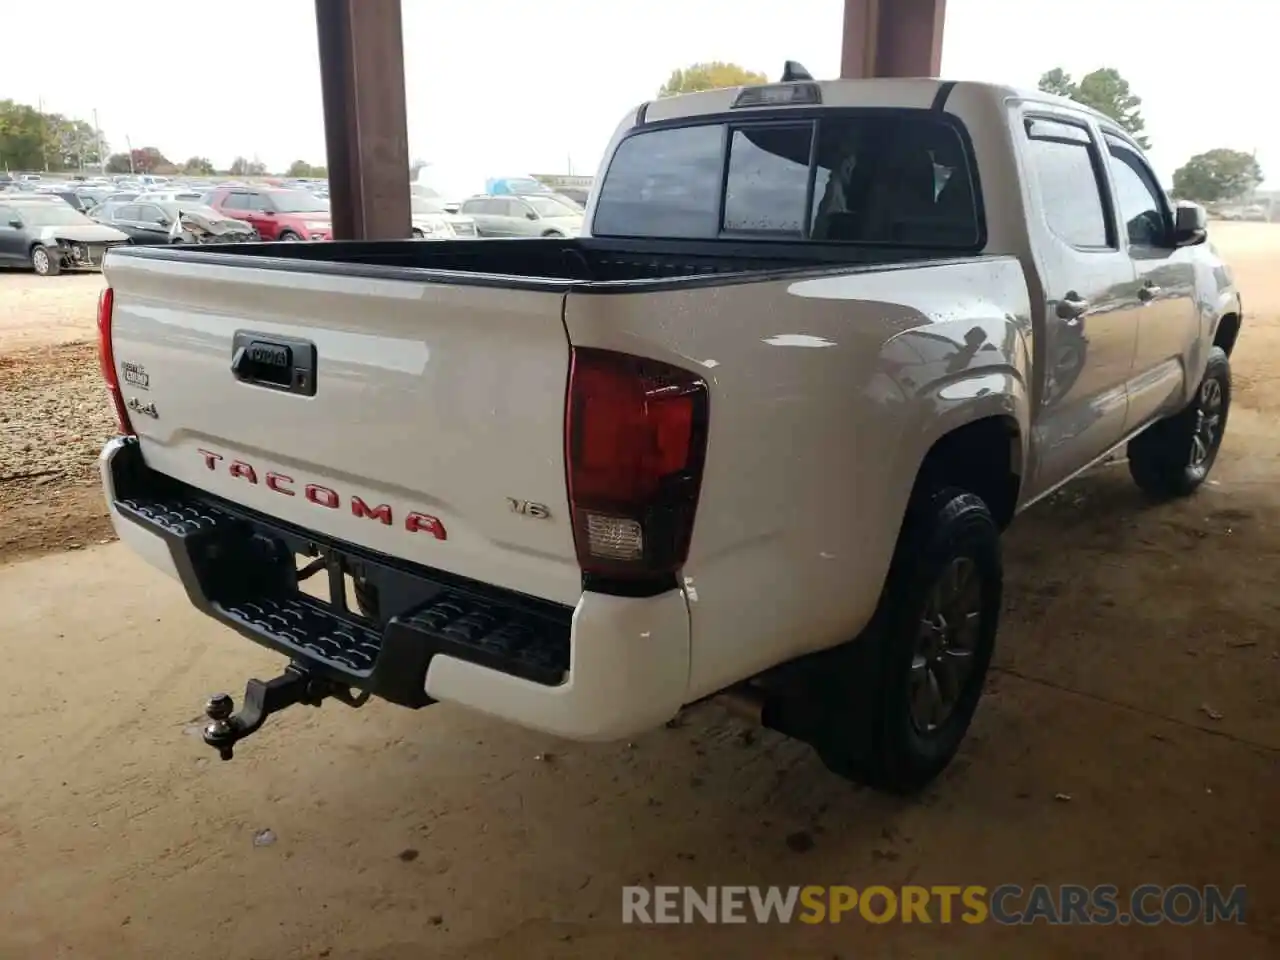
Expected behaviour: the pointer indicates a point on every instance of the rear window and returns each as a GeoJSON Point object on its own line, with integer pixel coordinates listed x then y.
{"type": "Point", "coordinates": [900, 178]}
{"type": "Point", "coordinates": [664, 183]}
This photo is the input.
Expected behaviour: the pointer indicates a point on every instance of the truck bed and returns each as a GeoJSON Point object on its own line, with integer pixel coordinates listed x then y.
{"type": "Point", "coordinates": [551, 263]}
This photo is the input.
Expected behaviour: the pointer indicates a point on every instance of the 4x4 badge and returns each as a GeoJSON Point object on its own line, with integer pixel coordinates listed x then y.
{"type": "Point", "coordinates": [146, 409]}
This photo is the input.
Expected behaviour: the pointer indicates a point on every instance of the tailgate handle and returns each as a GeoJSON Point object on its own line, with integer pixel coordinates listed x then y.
{"type": "Point", "coordinates": [280, 363]}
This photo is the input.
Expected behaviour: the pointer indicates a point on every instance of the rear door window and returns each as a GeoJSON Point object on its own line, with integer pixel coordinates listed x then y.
{"type": "Point", "coordinates": [1067, 171]}
{"type": "Point", "coordinates": [150, 213]}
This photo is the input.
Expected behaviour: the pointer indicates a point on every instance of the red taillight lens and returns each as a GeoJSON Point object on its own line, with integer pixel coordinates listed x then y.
{"type": "Point", "coordinates": [106, 301]}
{"type": "Point", "coordinates": [636, 436]}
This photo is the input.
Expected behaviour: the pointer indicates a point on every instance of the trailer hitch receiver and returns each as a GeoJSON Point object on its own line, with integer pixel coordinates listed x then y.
{"type": "Point", "coordinates": [226, 728]}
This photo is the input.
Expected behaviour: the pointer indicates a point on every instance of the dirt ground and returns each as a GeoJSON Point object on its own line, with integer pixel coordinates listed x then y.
{"type": "Point", "coordinates": [1130, 734]}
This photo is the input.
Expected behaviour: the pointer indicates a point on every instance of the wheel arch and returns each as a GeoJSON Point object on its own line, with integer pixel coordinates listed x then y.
{"type": "Point", "coordinates": [1227, 331]}
{"type": "Point", "coordinates": [984, 456]}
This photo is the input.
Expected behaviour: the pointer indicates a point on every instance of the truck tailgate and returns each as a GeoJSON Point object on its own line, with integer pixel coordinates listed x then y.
{"type": "Point", "coordinates": [433, 421]}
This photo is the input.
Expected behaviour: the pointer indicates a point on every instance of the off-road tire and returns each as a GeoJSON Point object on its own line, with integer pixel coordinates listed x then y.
{"type": "Point", "coordinates": [1165, 460]}
{"type": "Point", "coordinates": [869, 734]}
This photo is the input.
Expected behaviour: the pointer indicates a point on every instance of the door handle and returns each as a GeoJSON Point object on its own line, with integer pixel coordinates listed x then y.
{"type": "Point", "coordinates": [1148, 292]}
{"type": "Point", "coordinates": [1072, 306]}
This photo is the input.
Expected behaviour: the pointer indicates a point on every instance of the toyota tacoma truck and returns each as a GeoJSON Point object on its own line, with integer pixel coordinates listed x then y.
{"type": "Point", "coordinates": [754, 435]}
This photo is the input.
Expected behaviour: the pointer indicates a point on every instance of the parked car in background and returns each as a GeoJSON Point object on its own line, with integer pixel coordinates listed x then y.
{"type": "Point", "coordinates": [576, 194]}
{"type": "Point", "coordinates": [522, 216]}
{"type": "Point", "coordinates": [46, 234]}
{"type": "Point", "coordinates": [426, 202]}
{"type": "Point", "coordinates": [429, 223]}
{"type": "Point", "coordinates": [74, 200]}
{"type": "Point", "coordinates": [276, 213]}
{"type": "Point", "coordinates": [173, 221]}
{"type": "Point", "coordinates": [171, 196]}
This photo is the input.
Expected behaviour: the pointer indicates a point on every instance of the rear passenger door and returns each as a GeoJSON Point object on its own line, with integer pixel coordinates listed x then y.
{"type": "Point", "coordinates": [521, 224]}
{"type": "Point", "coordinates": [1169, 321]}
{"type": "Point", "coordinates": [152, 225]}
{"type": "Point", "coordinates": [478, 210]}
{"type": "Point", "coordinates": [500, 214]}
{"type": "Point", "coordinates": [125, 219]}
{"type": "Point", "coordinates": [1088, 297]}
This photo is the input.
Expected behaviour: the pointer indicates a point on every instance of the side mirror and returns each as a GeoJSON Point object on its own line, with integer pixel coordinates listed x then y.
{"type": "Point", "coordinates": [530, 215]}
{"type": "Point", "coordinates": [16, 222]}
{"type": "Point", "coordinates": [1190, 224]}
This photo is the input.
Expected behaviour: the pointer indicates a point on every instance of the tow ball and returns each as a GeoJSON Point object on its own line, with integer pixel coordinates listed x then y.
{"type": "Point", "coordinates": [226, 728]}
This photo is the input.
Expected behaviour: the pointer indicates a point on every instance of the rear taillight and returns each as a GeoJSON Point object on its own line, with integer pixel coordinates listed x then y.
{"type": "Point", "coordinates": [636, 436]}
{"type": "Point", "coordinates": [106, 300]}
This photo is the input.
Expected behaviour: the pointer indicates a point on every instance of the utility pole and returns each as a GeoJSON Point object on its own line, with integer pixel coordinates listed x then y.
{"type": "Point", "coordinates": [129, 143]}
{"type": "Point", "coordinates": [97, 133]}
{"type": "Point", "coordinates": [44, 134]}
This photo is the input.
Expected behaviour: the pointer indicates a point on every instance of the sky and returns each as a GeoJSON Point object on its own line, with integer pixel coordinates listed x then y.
{"type": "Point", "coordinates": [504, 87]}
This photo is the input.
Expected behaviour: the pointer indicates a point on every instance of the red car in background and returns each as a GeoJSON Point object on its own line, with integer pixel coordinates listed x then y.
{"type": "Point", "coordinates": [276, 213]}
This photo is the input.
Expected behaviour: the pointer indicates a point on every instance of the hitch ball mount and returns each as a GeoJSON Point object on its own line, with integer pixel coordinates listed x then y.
{"type": "Point", "coordinates": [226, 728]}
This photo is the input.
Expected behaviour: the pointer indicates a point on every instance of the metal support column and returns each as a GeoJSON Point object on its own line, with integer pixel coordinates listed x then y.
{"type": "Point", "coordinates": [365, 128]}
{"type": "Point", "coordinates": [892, 38]}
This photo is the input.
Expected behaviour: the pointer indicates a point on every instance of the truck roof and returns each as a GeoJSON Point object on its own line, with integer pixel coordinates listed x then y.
{"type": "Point", "coordinates": [914, 92]}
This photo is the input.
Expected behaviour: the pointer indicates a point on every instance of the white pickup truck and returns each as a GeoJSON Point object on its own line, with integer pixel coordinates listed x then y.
{"type": "Point", "coordinates": [755, 434]}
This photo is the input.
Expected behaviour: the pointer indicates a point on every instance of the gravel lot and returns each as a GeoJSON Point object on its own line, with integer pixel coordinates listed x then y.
{"type": "Point", "coordinates": [1131, 734]}
{"type": "Point", "coordinates": [54, 416]}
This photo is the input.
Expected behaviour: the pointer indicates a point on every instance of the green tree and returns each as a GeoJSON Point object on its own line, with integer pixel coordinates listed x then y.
{"type": "Point", "coordinates": [1059, 82]}
{"type": "Point", "coordinates": [22, 136]}
{"type": "Point", "coordinates": [1104, 90]}
{"type": "Point", "coordinates": [709, 76]}
{"type": "Point", "coordinates": [118, 163]}
{"type": "Point", "coordinates": [300, 168]}
{"type": "Point", "coordinates": [243, 167]}
{"type": "Point", "coordinates": [70, 144]}
{"type": "Point", "coordinates": [198, 167]}
{"type": "Point", "coordinates": [1221, 174]}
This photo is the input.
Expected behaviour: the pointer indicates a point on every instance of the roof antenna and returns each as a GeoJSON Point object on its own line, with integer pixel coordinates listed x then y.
{"type": "Point", "coordinates": [794, 71]}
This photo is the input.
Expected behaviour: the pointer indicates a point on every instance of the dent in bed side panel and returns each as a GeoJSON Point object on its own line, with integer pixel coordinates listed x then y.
{"type": "Point", "coordinates": [804, 482]}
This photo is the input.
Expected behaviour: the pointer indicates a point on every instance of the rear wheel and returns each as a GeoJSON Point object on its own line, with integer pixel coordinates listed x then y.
{"type": "Point", "coordinates": [288, 236]}
{"type": "Point", "coordinates": [554, 233]}
{"type": "Point", "coordinates": [416, 233]}
{"type": "Point", "coordinates": [1172, 457]}
{"type": "Point", "coordinates": [44, 262]}
{"type": "Point", "coordinates": [901, 697]}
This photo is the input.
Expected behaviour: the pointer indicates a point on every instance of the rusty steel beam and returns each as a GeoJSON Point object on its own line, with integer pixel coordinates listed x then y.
{"type": "Point", "coordinates": [892, 38]}
{"type": "Point", "coordinates": [365, 126]}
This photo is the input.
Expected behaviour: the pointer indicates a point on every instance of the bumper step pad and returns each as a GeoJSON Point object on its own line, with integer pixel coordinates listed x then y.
{"type": "Point", "coordinates": [238, 567]}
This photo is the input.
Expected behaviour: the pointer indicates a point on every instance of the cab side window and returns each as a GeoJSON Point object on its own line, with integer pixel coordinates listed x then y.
{"type": "Point", "coordinates": [1140, 199]}
{"type": "Point", "coordinates": [1068, 174]}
